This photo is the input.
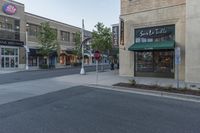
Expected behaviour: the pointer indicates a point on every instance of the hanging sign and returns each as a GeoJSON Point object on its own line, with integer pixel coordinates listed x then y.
{"type": "Point", "coordinates": [9, 9]}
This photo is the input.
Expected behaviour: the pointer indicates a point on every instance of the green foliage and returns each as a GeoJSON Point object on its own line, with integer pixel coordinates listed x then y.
{"type": "Point", "coordinates": [101, 38]}
{"type": "Point", "coordinates": [44, 66]}
{"type": "Point", "coordinates": [77, 50]}
{"type": "Point", "coordinates": [132, 82]}
{"type": "Point", "coordinates": [47, 38]}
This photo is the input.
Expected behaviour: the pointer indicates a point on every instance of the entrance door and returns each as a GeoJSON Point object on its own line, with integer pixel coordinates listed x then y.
{"type": "Point", "coordinates": [9, 62]}
{"type": "Point", "coordinates": [9, 57]}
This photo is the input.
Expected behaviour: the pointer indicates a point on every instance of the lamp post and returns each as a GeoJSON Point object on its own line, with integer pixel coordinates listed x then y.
{"type": "Point", "coordinates": [27, 50]}
{"type": "Point", "coordinates": [82, 72]}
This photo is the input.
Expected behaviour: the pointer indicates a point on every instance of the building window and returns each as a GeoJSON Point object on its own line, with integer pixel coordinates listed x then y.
{"type": "Point", "coordinates": [65, 36]}
{"type": "Point", "coordinates": [32, 61]}
{"type": "Point", "coordinates": [9, 28]}
{"type": "Point", "coordinates": [33, 30]}
{"type": "Point", "coordinates": [144, 62]}
{"type": "Point", "coordinates": [73, 37]}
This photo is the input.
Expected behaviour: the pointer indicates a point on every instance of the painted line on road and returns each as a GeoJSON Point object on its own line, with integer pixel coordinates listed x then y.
{"type": "Point", "coordinates": [148, 93]}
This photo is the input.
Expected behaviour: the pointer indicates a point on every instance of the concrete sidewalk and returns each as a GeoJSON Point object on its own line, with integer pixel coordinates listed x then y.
{"type": "Point", "coordinates": [20, 90]}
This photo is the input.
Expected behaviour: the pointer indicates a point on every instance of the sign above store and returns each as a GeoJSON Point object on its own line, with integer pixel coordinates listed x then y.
{"type": "Point", "coordinates": [155, 31]}
{"type": "Point", "coordinates": [11, 43]}
{"type": "Point", "coordinates": [9, 9]}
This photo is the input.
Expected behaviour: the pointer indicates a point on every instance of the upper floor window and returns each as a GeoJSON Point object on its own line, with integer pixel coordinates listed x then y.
{"type": "Point", "coordinates": [65, 36]}
{"type": "Point", "coordinates": [33, 30]}
{"type": "Point", "coordinates": [73, 37]}
{"type": "Point", "coordinates": [9, 28]}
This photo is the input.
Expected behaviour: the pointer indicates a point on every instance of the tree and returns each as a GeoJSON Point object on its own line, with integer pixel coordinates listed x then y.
{"type": "Point", "coordinates": [47, 38]}
{"type": "Point", "coordinates": [77, 49]}
{"type": "Point", "coordinates": [101, 38]}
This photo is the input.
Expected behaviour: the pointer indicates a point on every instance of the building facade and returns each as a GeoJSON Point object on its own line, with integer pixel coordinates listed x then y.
{"type": "Point", "coordinates": [12, 35]}
{"type": "Point", "coordinates": [65, 36]}
{"type": "Point", "coordinates": [19, 28]}
{"type": "Point", "coordinates": [151, 31]}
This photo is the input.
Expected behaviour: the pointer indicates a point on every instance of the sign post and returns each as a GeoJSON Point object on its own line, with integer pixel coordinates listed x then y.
{"type": "Point", "coordinates": [97, 57]}
{"type": "Point", "coordinates": [177, 62]}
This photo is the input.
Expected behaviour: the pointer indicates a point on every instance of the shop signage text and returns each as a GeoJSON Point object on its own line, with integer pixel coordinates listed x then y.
{"type": "Point", "coordinates": [11, 43]}
{"type": "Point", "coordinates": [154, 31]}
{"type": "Point", "coordinates": [9, 9]}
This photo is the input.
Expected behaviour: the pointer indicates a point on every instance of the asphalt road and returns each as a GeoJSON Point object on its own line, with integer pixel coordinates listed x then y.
{"type": "Point", "coordinates": [41, 74]}
{"type": "Point", "coordinates": [89, 110]}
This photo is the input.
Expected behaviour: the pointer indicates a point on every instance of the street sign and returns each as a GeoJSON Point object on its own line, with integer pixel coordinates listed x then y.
{"type": "Point", "coordinates": [177, 56]}
{"type": "Point", "coordinates": [97, 55]}
{"type": "Point", "coordinates": [177, 62]}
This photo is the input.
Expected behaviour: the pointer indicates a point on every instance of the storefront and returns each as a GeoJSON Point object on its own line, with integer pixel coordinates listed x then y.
{"type": "Point", "coordinates": [154, 51]}
{"type": "Point", "coordinates": [68, 57]}
{"type": "Point", "coordinates": [9, 53]}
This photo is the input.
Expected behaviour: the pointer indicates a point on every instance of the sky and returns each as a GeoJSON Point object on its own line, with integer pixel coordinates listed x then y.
{"type": "Point", "coordinates": [73, 11]}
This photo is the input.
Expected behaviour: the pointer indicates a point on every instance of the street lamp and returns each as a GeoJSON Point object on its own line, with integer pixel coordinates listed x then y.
{"type": "Point", "coordinates": [82, 72]}
{"type": "Point", "coordinates": [83, 42]}
{"type": "Point", "coordinates": [27, 50]}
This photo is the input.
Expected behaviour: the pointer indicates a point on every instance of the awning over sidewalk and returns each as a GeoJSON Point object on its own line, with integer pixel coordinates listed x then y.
{"type": "Point", "coordinates": [152, 46]}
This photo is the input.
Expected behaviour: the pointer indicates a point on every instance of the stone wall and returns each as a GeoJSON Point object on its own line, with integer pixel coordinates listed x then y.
{"type": "Point", "coordinates": [193, 41]}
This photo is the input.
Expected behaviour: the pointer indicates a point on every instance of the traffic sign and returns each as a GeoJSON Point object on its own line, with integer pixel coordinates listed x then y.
{"type": "Point", "coordinates": [177, 56]}
{"type": "Point", "coordinates": [97, 55]}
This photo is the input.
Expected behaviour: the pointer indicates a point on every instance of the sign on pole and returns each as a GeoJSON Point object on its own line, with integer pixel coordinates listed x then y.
{"type": "Point", "coordinates": [177, 62]}
{"type": "Point", "coordinates": [178, 56]}
{"type": "Point", "coordinates": [97, 57]}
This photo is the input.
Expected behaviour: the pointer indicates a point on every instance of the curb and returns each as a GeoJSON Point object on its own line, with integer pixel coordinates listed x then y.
{"type": "Point", "coordinates": [177, 96]}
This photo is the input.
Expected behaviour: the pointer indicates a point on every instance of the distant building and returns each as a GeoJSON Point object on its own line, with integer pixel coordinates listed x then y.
{"type": "Point", "coordinates": [14, 22]}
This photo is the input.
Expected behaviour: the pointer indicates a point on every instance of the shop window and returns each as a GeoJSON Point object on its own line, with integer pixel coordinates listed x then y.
{"type": "Point", "coordinates": [163, 61]}
{"type": "Point", "coordinates": [32, 61]}
{"type": "Point", "coordinates": [155, 61]}
{"type": "Point", "coordinates": [144, 62]}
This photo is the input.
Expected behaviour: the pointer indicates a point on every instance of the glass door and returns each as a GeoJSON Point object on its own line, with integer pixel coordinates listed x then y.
{"type": "Point", "coordinates": [9, 58]}
{"type": "Point", "coordinates": [9, 62]}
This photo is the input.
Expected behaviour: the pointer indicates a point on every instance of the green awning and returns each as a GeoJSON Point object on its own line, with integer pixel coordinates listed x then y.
{"type": "Point", "coordinates": [152, 46]}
